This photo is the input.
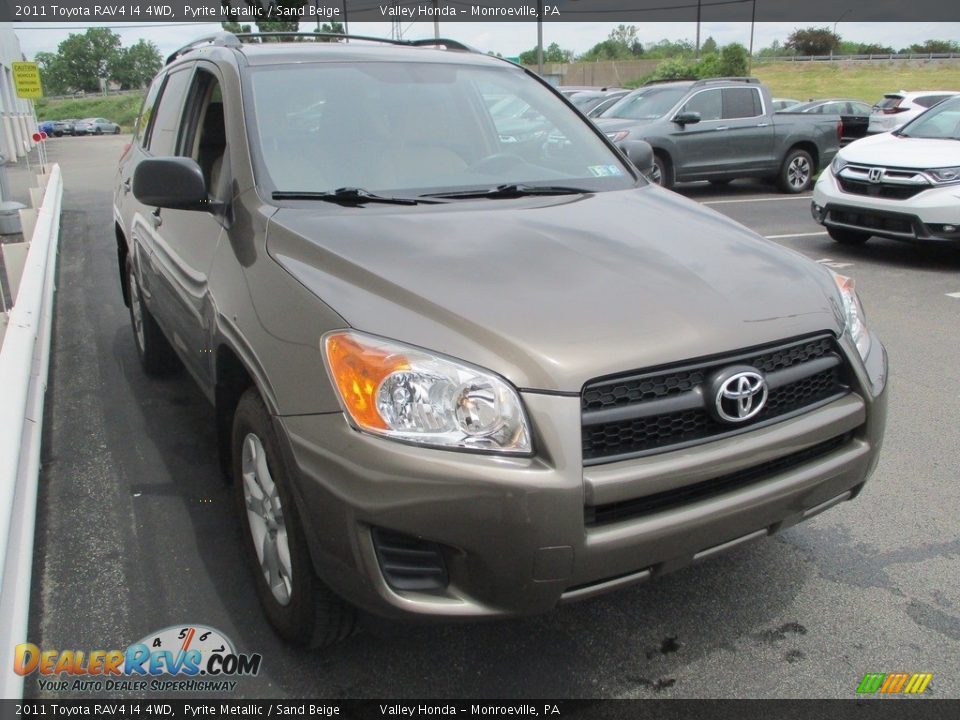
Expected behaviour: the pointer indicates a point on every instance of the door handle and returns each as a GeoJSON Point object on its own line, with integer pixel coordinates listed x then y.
{"type": "Point", "coordinates": [127, 185]}
{"type": "Point", "coordinates": [155, 218]}
{"type": "Point", "coordinates": [763, 124]}
{"type": "Point", "coordinates": [725, 127]}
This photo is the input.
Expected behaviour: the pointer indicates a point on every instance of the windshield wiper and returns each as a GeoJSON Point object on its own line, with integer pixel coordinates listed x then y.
{"type": "Point", "coordinates": [346, 196]}
{"type": "Point", "coordinates": [510, 190]}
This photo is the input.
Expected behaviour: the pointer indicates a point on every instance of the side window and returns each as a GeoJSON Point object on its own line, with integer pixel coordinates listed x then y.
{"type": "Point", "coordinates": [740, 103]}
{"type": "Point", "coordinates": [141, 131]}
{"type": "Point", "coordinates": [708, 103]}
{"type": "Point", "coordinates": [203, 136]}
{"type": "Point", "coordinates": [166, 121]}
{"type": "Point", "coordinates": [929, 101]}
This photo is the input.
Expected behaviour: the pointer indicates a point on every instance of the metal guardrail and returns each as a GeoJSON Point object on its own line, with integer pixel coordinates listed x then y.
{"type": "Point", "coordinates": [875, 56]}
{"type": "Point", "coordinates": [24, 366]}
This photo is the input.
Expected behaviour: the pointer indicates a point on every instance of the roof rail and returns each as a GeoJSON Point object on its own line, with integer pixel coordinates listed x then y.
{"type": "Point", "coordinates": [422, 42]}
{"type": "Point", "coordinates": [236, 40]}
{"type": "Point", "coordinates": [223, 39]}
{"type": "Point", "coordinates": [687, 78]}
{"type": "Point", "coordinates": [749, 80]}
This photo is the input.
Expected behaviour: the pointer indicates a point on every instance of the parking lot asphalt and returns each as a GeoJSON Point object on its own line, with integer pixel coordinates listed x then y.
{"type": "Point", "coordinates": [137, 532]}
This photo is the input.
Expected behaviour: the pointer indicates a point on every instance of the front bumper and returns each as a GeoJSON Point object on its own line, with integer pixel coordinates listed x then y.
{"type": "Point", "coordinates": [931, 216]}
{"type": "Point", "coordinates": [514, 532]}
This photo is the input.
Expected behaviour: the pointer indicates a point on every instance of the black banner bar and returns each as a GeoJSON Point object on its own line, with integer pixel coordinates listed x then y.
{"type": "Point", "coordinates": [177, 709]}
{"type": "Point", "coordinates": [311, 11]}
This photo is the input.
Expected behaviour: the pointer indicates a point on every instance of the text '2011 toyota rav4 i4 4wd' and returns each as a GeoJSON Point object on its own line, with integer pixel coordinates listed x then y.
{"type": "Point", "coordinates": [464, 373]}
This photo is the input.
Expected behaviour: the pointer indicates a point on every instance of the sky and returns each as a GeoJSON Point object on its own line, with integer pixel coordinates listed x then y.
{"type": "Point", "coordinates": [511, 38]}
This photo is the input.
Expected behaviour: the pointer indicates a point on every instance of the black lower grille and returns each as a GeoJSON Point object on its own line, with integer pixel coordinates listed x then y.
{"type": "Point", "coordinates": [409, 563]}
{"type": "Point", "coordinates": [891, 192]}
{"type": "Point", "coordinates": [902, 224]}
{"type": "Point", "coordinates": [665, 409]}
{"type": "Point", "coordinates": [638, 507]}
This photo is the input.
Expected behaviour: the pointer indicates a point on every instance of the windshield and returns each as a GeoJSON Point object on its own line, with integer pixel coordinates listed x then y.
{"type": "Point", "coordinates": [409, 128]}
{"type": "Point", "coordinates": [942, 122]}
{"type": "Point", "coordinates": [647, 104]}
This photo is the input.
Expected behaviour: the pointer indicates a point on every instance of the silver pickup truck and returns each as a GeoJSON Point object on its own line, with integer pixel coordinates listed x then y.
{"type": "Point", "coordinates": [722, 129]}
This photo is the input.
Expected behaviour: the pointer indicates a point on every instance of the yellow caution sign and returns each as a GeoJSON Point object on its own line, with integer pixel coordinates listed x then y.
{"type": "Point", "coordinates": [26, 78]}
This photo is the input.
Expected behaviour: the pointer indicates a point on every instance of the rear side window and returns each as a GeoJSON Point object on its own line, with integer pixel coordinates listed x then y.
{"type": "Point", "coordinates": [741, 103]}
{"type": "Point", "coordinates": [166, 123]}
{"type": "Point", "coordinates": [928, 101]}
{"type": "Point", "coordinates": [141, 132]}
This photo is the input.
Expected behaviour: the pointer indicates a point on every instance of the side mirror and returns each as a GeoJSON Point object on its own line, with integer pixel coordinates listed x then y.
{"type": "Point", "coordinates": [171, 182]}
{"type": "Point", "coordinates": [640, 154]}
{"type": "Point", "coordinates": [687, 118]}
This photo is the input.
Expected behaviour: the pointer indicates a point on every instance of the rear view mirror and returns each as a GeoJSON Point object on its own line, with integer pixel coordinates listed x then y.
{"type": "Point", "coordinates": [171, 182]}
{"type": "Point", "coordinates": [687, 118]}
{"type": "Point", "coordinates": [640, 154]}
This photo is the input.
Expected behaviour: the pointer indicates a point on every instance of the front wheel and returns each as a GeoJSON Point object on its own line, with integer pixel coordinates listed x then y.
{"type": "Point", "coordinates": [116, 130]}
{"type": "Point", "coordinates": [299, 606]}
{"type": "Point", "coordinates": [98, 131]}
{"type": "Point", "coordinates": [848, 237]}
{"type": "Point", "coordinates": [662, 173]}
{"type": "Point", "coordinates": [796, 174]}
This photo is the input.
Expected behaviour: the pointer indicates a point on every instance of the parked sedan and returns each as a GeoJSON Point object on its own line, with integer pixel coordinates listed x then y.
{"type": "Point", "coordinates": [587, 102]}
{"type": "Point", "coordinates": [855, 115]}
{"type": "Point", "coordinates": [898, 108]}
{"type": "Point", "coordinates": [63, 127]}
{"type": "Point", "coordinates": [46, 126]}
{"type": "Point", "coordinates": [96, 126]}
{"type": "Point", "coordinates": [779, 104]}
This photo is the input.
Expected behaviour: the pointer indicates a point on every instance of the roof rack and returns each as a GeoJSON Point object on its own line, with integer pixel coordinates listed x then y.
{"type": "Point", "coordinates": [236, 40]}
{"type": "Point", "coordinates": [686, 78]}
{"type": "Point", "coordinates": [749, 80]}
{"type": "Point", "coordinates": [222, 39]}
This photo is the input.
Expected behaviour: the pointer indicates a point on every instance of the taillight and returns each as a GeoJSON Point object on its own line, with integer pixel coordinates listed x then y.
{"type": "Point", "coordinates": [894, 110]}
{"type": "Point", "coordinates": [839, 131]}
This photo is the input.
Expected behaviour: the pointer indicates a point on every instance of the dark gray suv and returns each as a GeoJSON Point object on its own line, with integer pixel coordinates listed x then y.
{"type": "Point", "coordinates": [461, 371]}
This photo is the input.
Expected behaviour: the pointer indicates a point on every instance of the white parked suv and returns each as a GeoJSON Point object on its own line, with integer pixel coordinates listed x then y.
{"type": "Point", "coordinates": [903, 185]}
{"type": "Point", "coordinates": [898, 108]}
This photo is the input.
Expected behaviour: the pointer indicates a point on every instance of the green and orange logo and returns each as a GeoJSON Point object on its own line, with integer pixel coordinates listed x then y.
{"type": "Point", "coordinates": [894, 683]}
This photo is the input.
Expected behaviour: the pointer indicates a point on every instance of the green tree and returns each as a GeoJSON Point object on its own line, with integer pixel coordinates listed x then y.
{"type": "Point", "coordinates": [813, 41]}
{"type": "Point", "coordinates": [935, 46]}
{"type": "Point", "coordinates": [135, 66]}
{"type": "Point", "coordinates": [235, 27]}
{"type": "Point", "coordinates": [52, 73]}
{"type": "Point", "coordinates": [553, 53]}
{"type": "Point", "coordinates": [733, 60]}
{"type": "Point", "coordinates": [333, 28]}
{"type": "Point", "coordinates": [86, 59]}
{"type": "Point", "coordinates": [709, 46]}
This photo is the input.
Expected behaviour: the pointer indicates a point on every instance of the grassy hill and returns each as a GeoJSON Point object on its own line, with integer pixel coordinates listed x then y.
{"type": "Point", "coordinates": [867, 81]}
{"type": "Point", "coordinates": [120, 109]}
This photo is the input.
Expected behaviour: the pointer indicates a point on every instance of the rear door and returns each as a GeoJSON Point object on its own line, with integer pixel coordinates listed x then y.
{"type": "Point", "coordinates": [748, 131]}
{"type": "Point", "coordinates": [856, 119]}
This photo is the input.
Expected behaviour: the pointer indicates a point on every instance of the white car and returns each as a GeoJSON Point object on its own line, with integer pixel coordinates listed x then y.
{"type": "Point", "coordinates": [898, 108]}
{"type": "Point", "coordinates": [903, 185]}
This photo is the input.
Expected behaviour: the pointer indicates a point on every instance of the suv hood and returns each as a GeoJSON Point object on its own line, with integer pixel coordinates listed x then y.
{"type": "Point", "coordinates": [551, 292]}
{"type": "Point", "coordinates": [903, 152]}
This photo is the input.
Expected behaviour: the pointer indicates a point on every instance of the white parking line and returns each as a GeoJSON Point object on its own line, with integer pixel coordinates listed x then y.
{"type": "Point", "coordinates": [757, 199]}
{"type": "Point", "coordinates": [794, 235]}
{"type": "Point", "coordinates": [954, 295]}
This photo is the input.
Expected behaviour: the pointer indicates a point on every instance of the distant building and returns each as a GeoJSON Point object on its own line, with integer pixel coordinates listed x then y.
{"type": "Point", "coordinates": [18, 120]}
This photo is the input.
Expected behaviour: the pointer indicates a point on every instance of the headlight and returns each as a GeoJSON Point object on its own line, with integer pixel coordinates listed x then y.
{"type": "Point", "coordinates": [403, 393]}
{"type": "Point", "coordinates": [838, 164]}
{"type": "Point", "coordinates": [853, 314]}
{"type": "Point", "coordinates": [618, 136]}
{"type": "Point", "coordinates": [945, 176]}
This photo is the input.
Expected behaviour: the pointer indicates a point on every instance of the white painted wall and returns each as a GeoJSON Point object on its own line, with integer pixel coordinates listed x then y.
{"type": "Point", "coordinates": [17, 119]}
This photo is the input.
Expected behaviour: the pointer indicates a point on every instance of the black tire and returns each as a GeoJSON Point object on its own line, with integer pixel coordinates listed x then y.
{"type": "Point", "coordinates": [154, 350]}
{"type": "Point", "coordinates": [312, 616]}
{"type": "Point", "coordinates": [796, 173]}
{"type": "Point", "coordinates": [116, 130]}
{"type": "Point", "coordinates": [98, 131]}
{"type": "Point", "coordinates": [848, 237]}
{"type": "Point", "coordinates": [662, 171]}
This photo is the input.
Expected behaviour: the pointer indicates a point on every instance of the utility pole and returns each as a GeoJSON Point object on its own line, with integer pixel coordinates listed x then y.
{"type": "Point", "coordinates": [346, 25]}
{"type": "Point", "coordinates": [753, 22]}
{"type": "Point", "coordinates": [436, 19]}
{"type": "Point", "coordinates": [540, 38]}
{"type": "Point", "coordinates": [698, 28]}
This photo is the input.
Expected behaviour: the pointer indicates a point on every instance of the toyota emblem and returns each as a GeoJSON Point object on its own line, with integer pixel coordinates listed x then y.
{"type": "Point", "coordinates": [739, 394]}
